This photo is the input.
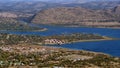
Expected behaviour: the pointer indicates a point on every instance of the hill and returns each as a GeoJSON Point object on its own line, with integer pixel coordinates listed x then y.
{"type": "Point", "coordinates": [66, 12]}
{"type": "Point", "coordinates": [12, 24]}
{"type": "Point", "coordinates": [78, 16]}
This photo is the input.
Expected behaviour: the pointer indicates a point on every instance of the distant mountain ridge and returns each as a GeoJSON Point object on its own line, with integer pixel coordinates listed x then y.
{"type": "Point", "coordinates": [60, 1]}
{"type": "Point", "coordinates": [33, 6]}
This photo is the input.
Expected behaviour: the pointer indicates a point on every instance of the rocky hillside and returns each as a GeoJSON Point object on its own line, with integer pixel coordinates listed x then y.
{"type": "Point", "coordinates": [26, 9]}
{"type": "Point", "coordinates": [48, 12]}
{"type": "Point", "coordinates": [76, 15]}
{"type": "Point", "coordinates": [8, 24]}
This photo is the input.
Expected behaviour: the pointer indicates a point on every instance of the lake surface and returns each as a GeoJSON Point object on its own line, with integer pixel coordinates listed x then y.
{"type": "Point", "coordinates": [111, 47]}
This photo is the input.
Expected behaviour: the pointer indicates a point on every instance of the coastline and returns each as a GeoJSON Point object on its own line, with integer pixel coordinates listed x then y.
{"type": "Point", "coordinates": [94, 27]}
{"type": "Point", "coordinates": [44, 29]}
{"type": "Point", "coordinates": [90, 40]}
{"type": "Point", "coordinates": [25, 46]}
{"type": "Point", "coordinates": [93, 40]}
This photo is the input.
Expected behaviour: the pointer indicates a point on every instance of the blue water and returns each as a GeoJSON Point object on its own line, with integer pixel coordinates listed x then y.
{"type": "Point", "coordinates": [109, 47]}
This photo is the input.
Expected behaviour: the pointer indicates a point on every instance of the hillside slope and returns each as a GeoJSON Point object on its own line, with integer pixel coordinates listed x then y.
{"type": "Point", "coordinates": [78, 15]}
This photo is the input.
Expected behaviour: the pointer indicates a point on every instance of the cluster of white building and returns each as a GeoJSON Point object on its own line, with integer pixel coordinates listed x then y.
{"type": "Point", "coordinates": [54, 41]}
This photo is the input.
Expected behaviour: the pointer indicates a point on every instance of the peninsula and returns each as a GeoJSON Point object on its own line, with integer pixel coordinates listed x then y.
{"type": "Point", "coordinates": [7, 39]}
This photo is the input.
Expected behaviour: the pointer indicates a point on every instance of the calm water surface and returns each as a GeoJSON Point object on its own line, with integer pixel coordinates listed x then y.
{"type": "Point", "coordinates": [111, 47]}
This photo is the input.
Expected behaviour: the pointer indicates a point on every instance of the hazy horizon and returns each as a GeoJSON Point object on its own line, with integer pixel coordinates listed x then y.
{"type": "Point", "coordinates": [60, 1]}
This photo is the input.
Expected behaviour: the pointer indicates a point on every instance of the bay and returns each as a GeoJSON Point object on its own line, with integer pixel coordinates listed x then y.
{"type": "Point", "coordinates": [111, 47]}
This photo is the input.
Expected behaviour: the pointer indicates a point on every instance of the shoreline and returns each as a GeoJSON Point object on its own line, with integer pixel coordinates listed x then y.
{"type": "Point", "coordinates": [93, 40]}
{"type": "Point", "coordinates": [44, 29]}
{"type": "Point", "coordinates": [114, 27]}
{"type": "Point", "coordinates": [48, 47]}
{"type": "Point", "coordinates": [90, 40]}
{"type": "Point", "coordinates": [94, 27]}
